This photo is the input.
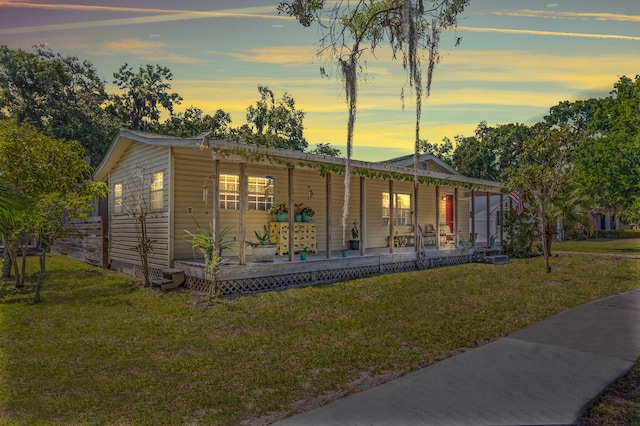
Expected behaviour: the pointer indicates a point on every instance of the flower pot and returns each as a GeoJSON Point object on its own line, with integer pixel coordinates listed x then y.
{"type": "Point", "coordinates": [354, 244]}
{"type": "Point", "coordinates": [306, 218]}
{"type": "Point", "coordinates": [281, 217]}
{"type": "Point", "coordinates": [345, 253]}
{"type": "Point", "coordinates": [264, 253]}
{"type": "Point", "coordinates": [298, 218]}
{"type": "Point", "coordinates": [303, 255]}
{"type": "Point", "coordinates": [492, 241]}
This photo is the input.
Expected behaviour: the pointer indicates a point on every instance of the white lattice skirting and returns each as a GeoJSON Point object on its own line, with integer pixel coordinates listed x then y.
{"type": "Point", "coordinates": [195, 279]}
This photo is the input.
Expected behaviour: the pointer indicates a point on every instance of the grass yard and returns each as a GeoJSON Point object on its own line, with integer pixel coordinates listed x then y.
{"type": "Point", "coordinates": [102, 350]}
{"type": "Point", "coordinates": [600, 245]}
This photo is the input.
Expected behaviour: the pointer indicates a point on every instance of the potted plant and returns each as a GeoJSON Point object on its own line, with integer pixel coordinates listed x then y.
{"type": "Point", "coordinates": [203, 241]}
{"type": "Point", "coordinates": [280, 211]}
{"type": "Point", "coordinates": [304, 254]}
{"type": "Point", "coordinates": [298, 212]}
{"type": "Point", "coordinates": [354, 242]}
{"type": "Point", "coordinates": [492, 240]}
{"type": "Point", "coordinates": [307, 213]}
{"type": "Point", "coordinates": [263, 249]}
{"type": "Point", "coordinates": [345, 252]}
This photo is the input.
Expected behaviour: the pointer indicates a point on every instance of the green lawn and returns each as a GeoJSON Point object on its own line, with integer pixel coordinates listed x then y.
{"type": "Point", "coordinates": [600, 245]}
{"type": "Point", "coordinates": [102, 350]}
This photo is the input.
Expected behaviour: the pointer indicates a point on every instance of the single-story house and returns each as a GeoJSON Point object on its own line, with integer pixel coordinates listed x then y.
{"type": "Point", "coordinates": [232, 186]}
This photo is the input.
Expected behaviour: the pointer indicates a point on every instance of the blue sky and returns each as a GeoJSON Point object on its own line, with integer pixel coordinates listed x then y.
{"type": "Point", "coordinates": [517, 58]}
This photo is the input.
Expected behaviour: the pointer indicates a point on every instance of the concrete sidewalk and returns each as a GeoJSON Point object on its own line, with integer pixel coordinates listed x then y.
{"type": "Point", "coordinates": [547, 374]}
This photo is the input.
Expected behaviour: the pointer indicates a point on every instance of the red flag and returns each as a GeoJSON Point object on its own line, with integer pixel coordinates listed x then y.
{"type": "Point", "coordinates": [515, 196]}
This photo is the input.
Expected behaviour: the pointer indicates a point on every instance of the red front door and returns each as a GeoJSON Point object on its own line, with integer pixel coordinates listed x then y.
{"type": "Point", "coordinates": [449, 211]}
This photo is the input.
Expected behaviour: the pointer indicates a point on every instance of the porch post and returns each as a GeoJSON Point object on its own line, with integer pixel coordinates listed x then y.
{"type": "Point", "coordinates": [328, 212]}
{"type": "Point", "coordinates": [437, 217]}
{"type": "Point", "coordinates": [456, 225]}
{"type": "Point", "coordinates": [416, 223]}
{"type": "Point", "coordinates": [391, 216]}
{"type": "Point", "coordinates": [488, 219]}
{"type": "Point", "coordinates": [242, 175]}
{"type": "Point", "coordinates": [215, 223]}
{"type": "Point", "coordinates": [501, 218]}
{"type": "Point", "coordinates": [472, 237]}
{"type": "Point", "coordinates": [291, 211]}
{"type": "Point", "coordinates": [363, 214]}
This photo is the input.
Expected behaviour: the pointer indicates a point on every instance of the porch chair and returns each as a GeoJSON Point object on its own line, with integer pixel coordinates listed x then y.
{"type": "Point", "coordinates": [447, 233]}
{"type": "Point", "coordinates": [429, 234]}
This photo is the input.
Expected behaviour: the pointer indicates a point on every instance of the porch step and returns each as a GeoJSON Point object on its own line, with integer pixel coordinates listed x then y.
{"type": "Point", "coordinates": [171, 278]}
{"type": "Point", "coordinates": [497, 259]}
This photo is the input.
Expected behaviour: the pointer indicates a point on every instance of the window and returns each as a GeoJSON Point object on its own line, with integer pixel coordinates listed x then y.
{"type": "Point", "coordinates": [402, 209]}
{"type": "Point", "coordinates": [229, 192]}
{"type": "Point", "coordinates": [259, 192]}
{"type": "Point", "coordinates": [117, 198]}
{"type": "Point", "coordinates": [156, 194]}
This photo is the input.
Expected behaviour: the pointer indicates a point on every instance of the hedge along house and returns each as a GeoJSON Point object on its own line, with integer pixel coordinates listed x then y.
{"type": "Point", "coordinates": [232, 186]}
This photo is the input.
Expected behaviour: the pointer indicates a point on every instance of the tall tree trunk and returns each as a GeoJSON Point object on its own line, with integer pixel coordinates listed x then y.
{"type": "Point", "coordinates": [23, 266]}
{"type": "Point", "coordinates": [349, 73]}
{"type": "Point", "coordinates": [6, 265]}
{"type": "Point", "coordinates": [545, 246]}
{"type": "Point", "coordinates": [42, 257]}
{"type": "Point", "coordinates": [144, 250]}
{"type": "Point", "coordinates": [13, 260]}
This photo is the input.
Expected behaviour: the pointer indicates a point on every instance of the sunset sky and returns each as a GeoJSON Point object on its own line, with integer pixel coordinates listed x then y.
{"type": "Point", "coordinates": [516, 59]}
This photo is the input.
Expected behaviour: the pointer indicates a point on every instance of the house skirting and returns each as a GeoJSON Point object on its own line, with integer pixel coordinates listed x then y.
{"type": "Point", "coordinates": [261, 277]}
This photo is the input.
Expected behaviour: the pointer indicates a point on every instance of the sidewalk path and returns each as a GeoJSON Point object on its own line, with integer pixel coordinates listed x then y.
{"type": "Point", "coordinates": [546, 374]}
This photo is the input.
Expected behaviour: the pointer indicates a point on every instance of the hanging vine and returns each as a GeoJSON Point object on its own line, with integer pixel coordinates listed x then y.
{"type": "Point", "coordinates": [407, 25]}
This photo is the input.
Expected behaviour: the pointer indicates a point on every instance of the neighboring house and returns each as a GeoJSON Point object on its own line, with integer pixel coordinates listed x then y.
{"type": "Point", "coordinates": [204, 181]}
{"type": "Point", "coordinates": [486, 223]}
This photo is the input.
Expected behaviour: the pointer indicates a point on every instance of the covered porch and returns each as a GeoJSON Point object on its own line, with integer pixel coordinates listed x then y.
{"type": "Point", "coordinates": [319, 268]}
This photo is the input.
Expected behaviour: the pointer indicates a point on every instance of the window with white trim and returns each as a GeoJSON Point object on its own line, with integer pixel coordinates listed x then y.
{"type": "Point", "coordinates": [260, 193]}
{"type": "Point", "coordinates": [156, 193]}
{"type": "Point", "coordinates": [117, 198]}
{"type": "Point", "coordinates": [229, 192]}
{"type": "Point", "coordinates": [401, 209]}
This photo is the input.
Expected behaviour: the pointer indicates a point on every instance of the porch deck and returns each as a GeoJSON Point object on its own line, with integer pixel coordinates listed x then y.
{"type": "Point", "coordinates": [254, 277]}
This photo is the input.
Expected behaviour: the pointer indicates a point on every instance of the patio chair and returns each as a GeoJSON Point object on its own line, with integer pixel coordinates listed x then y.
{"type": "Point", "coordinates": [447, 233]}
{"type": "Point", "coordinates": [429, 234]}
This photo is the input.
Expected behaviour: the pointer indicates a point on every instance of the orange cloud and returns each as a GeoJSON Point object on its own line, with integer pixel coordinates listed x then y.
{"type": "Point", "coordinates": [148, 50]}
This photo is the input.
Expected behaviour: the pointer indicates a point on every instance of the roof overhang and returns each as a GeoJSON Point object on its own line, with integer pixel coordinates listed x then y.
{"type": "Point", "coordinates": [287, 158]}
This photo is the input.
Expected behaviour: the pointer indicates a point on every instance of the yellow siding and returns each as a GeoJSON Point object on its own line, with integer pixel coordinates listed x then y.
{"type": "Point", "coordinates": [123, 234]}
{"type": "Point", "coordinates": [190, 173]}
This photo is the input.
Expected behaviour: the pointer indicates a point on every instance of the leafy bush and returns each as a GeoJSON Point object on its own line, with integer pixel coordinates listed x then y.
{"type": "Point", "coordinates": [620, 233]}
{"type": "Point", "coordinates": [520, 237]}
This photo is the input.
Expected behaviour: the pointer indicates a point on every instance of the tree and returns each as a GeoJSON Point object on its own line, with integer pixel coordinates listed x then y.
{"type": "Point", "coordinates": [61, 96]}
{"type": "Point", "coordinates": [55, 211]}
{"type": "Point", "coordinates": [145, 93]}
{"type": "Point", "coordinates": [351, 27]}
{"type": "Point", "coordinates": [136, 206]}
{"type": "Point", "coordinates": [10, 205]}
{"type": "Point", "coordinates": [491, 151]}
{"type": "Point", "coordinates": [326, 149]}
{"type": "Point", "coordinates": [277, 120]}
{"type": "Point", "coordinates": [443, 151]}
{"type": "Point", "coordinates": [193, 122]}
{"type": "Point", "coordinates": [544, 179]}
{"type": "Point", "coordinates": [608, 158]}
{"type": "Point", "coordinates": [53, 174]}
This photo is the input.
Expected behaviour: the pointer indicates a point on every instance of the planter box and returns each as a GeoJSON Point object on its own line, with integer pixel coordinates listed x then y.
{"type": "Point", "coordinates": [264, 253]}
